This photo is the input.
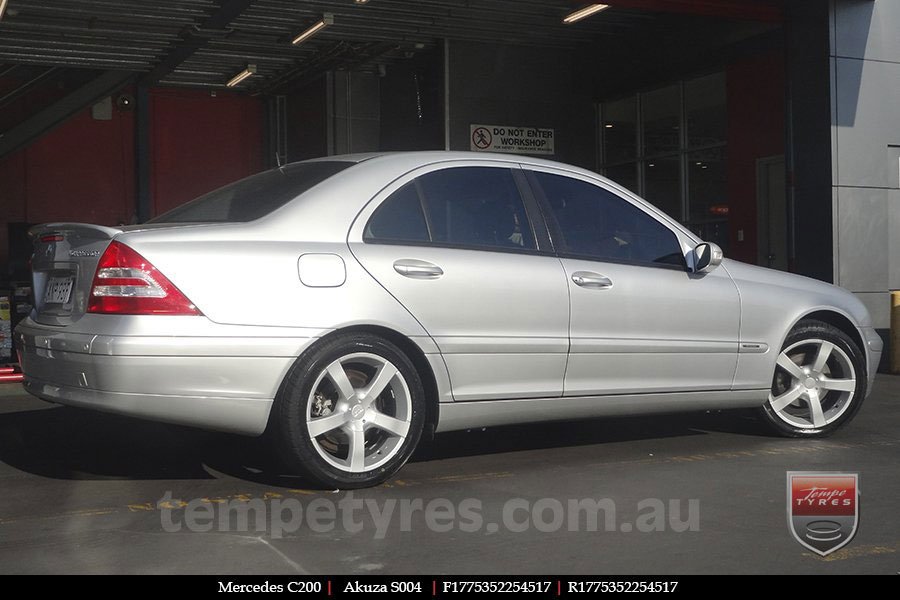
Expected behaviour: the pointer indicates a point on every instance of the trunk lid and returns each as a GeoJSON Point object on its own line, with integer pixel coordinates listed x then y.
{"type": "Point", "coordinates": [63, 266]}
{"type": "Point", "coordinates": [65, 260]}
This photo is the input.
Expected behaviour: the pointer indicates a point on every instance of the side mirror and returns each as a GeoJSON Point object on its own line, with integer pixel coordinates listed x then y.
{"type": "Point", "coordinates": [707, 256]}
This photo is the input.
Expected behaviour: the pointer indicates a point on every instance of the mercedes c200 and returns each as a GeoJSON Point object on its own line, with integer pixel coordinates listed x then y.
{"type": "Point", "coordinates": [344, 306]}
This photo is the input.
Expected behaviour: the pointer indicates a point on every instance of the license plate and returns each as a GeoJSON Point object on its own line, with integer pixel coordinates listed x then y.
{"type": "Point", "coordinates": [59, 290]}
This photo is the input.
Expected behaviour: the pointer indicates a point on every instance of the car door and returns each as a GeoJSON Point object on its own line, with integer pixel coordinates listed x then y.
{"type": "Point", "coordinates": [640, 322]}
{"type": "Point", "coordinates": [456, 246]}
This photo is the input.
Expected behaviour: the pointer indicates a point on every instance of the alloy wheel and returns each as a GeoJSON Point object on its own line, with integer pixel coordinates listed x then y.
{"type": "Point", "coordinates": [359, 412]}
{"type": "Point", "coordinates": [814, 384]}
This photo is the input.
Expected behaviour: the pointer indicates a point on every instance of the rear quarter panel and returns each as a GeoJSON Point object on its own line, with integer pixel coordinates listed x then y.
{"type": "Point", "coordinates": [256, 282]}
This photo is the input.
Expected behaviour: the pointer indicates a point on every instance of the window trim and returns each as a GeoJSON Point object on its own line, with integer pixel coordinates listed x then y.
{"type": "Point", "coordinates": [421, 195]}
{"type": "Point", "coordinates": [447, 246]}
{"type": "Point", "coordinates": [629, 263]}
{"type": "Point", "coordinates": [533, 213]}
{"type": "Point", "coordinates": [555, 231]}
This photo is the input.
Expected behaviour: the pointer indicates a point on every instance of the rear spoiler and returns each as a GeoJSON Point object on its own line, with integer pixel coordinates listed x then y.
{"type": "Point", "coordinates": [83, 229]}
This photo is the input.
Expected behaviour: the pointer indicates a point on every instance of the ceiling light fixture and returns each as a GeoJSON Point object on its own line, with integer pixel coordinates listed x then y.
{"type": "Point", "coordinates": [361, 1]}
{"type": "Point", "coordinates": [250, 70]}
{"type": "Point", "coordinates": [326, 20]}
{"type": "Point", "coordinates": [584, 12]}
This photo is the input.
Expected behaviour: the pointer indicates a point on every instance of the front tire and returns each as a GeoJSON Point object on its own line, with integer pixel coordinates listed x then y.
{"type": "Point", "coordinates": [819, 382]}
{"type": "Point", "coordinates": [350, 414]}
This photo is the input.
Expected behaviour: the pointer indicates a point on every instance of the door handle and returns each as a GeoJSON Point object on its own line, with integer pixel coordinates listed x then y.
{"type": "Point", "coordinates": [589, 279]}
{"type": "Point", "coordinates": [417, 269]}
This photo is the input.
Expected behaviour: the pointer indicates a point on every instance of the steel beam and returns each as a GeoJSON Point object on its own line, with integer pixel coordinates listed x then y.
{"type": "Point", "coordinates": [28, 86]}
{"type": "Point", "coordinates": [196, 39]}
{"type": "Point", "coordinates": [44, 120]}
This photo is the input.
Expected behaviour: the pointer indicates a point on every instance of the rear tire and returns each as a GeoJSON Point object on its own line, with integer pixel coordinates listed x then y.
{"type": "Point", "coordinates": [819, 382]}
{"type": "Point", "coordinates": [350, 413]}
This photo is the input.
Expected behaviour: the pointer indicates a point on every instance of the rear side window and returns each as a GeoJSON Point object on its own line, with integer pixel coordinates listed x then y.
{"type": "Point", "coordinates": [253, 197]}
{"type": "Point", "coordinates": [597, 224]}
{"type": "Point", "coordinates": [400, 218]}
{"type": "Point", "coordinates": [477, 207]}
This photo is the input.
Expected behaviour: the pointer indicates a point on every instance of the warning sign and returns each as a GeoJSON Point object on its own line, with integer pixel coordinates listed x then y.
{"type": "Point", "coordinates": [511, 139]}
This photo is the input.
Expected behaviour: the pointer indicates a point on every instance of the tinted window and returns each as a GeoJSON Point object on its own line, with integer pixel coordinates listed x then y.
{"type": "Point", "coordinates": [399, 218]}
{"type": "Point", "coordinates": [253, 197]}
{"type": "Point", "coordinates": [464, 206]}
{"type": "Point", "coordinates": [598, 224]}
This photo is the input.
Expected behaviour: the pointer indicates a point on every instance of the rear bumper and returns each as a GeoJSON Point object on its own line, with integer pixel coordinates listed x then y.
{"type": "Point", "coordinates": [212, 378]}
{"type": "Point", "coordinates": [245, 416]}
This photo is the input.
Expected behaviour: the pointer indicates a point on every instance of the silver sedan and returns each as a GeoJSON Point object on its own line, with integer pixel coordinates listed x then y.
{"type": "Point", "coordinates": [347, 306]}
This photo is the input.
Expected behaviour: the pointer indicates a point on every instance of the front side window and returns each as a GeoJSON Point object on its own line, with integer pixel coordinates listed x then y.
{"type": "Point", "coordinates": [597, 224]}
{"type": "Point", "coordinates": [477, 207]}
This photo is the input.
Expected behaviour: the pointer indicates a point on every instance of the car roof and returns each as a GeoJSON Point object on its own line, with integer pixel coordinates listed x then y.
{"type": "Point", "coordinates": [431, 156]}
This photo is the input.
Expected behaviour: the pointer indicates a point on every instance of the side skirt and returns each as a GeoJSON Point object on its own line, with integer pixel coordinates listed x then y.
{"type": "Point", "coordinates": [490, 413]}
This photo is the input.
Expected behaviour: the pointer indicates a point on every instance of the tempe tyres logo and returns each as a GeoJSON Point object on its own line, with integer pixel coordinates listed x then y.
{"type": "Point", "coordinates": [823, 509]}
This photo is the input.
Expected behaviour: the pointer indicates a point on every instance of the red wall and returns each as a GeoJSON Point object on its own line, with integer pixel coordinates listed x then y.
{"type": "Point", "coordinates": [200, 142]}
{"type": "Point", "coordinates": [81, 171]}
{"type": "Point", "coordinates": [756, 129]}
{"type": "Point", "coordinates": [84, 169]}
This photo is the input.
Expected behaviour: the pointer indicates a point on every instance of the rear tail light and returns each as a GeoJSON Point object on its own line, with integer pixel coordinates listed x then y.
{"type": "Point", "coordinates": [127, 284]}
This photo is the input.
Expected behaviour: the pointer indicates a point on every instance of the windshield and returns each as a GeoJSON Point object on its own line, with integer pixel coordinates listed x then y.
{"type": "Point", "coordinates": [253, 197]}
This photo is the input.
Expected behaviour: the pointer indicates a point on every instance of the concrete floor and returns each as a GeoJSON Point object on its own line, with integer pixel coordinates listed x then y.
{"type": "Point", "coordinates": [79, 493]}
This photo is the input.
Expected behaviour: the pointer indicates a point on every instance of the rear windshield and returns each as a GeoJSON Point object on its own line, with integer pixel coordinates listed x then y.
{"type": "Point", "coordinates": [253, 197]}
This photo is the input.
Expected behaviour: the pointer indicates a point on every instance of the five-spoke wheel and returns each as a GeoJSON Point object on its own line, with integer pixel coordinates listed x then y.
{"type": "Point", "coordinates": [359, 412]}
{"type": "Point", "coordinates": [819, 381]}
{"type": "Point", "coordinates": [351, 412]}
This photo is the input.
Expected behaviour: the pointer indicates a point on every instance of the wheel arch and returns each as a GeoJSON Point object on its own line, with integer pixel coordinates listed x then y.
{"type": "Point", "coordinates": [838, 320]}
{"type": "Point", "coordinates": [408, 347]}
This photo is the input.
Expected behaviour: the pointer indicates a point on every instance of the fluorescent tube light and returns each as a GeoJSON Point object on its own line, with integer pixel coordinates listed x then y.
{"type": "Point", "coordinates": [326, 20]}
{"type": "Point", "coordinates": [250, 70]}
{"type": "Point", "coordinates": [584, 12]}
